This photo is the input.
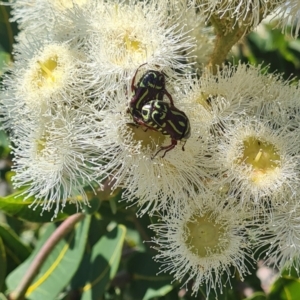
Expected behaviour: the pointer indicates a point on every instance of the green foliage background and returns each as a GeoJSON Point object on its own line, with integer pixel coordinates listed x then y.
{"type": "Point", "coordinates": [104, 257]}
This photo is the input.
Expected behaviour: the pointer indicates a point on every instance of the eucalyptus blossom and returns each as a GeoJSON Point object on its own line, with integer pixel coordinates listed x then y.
{"type": "Point", "coordinates": [201, 241]}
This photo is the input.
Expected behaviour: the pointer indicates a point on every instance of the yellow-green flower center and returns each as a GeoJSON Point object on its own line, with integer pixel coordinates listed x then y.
{"type": "Point", "coordinates": [40, 145]}
{"type": "Point", "coordinates": [46, 71]}
{"type": "Point", "coordinates": [146, 137]}
{"type": "Point", "coordinates": [203, 100]}
{"type": "Point", "coordinates": [132, 44]}
{"type": "Point", "coordinates": [262, 156]}
{"type": "Point", "coordinates": [205, 237]}
{"type": "Point", "coordinates": [126, 46]}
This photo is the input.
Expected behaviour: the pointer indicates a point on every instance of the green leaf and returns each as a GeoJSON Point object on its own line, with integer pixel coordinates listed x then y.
{"type": "Point", "coordinates": [146, 283]}
{"type": "Point", "coordinates": [94, 204]}
{"type": "Point", "coordinates": [4, 142]}
{"type": "Point", "coordinates": [59, 267]}
{"type": "Point", "coordinates": [16, 250]}
{"type": "Point", "coordinates": [295, 45]}
{"type": "Point", "coordinates": [257, 296]}
{"type": "Point", "coordinates": [271, 47]}
{"type": "Point", "coordinates": [2, 297]}
{"type": "Point", "coordinates": [100, 265]}
{"type": "Point", "coordinates": [134, 240]}
{"type": "Point", "coordinates": [17, 206]}
{"type": "Point", "coordinates": [4, 60]}
{"type": "Point", "coordinates": [2, 263]}
{"type": "Point", "coordinates": [7, 29]}
{"type": "Point", "coordinates": [285, 288]}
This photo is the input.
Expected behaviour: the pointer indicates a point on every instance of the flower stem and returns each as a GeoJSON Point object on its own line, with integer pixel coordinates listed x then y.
{"type": "Point", "coordinates": [228, 33]}
{"type": "Point", "coordinates": [57, 235]}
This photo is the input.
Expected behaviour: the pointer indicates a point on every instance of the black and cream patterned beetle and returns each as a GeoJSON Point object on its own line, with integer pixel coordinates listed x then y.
{"type": "Point", "coordinates": [167, 119]}
{"type": "Point", "coordinates": [151, 86]}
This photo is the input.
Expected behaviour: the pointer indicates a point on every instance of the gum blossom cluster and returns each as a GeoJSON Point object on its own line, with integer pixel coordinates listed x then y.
{"type": "Point", "coordinates": [65, 102]}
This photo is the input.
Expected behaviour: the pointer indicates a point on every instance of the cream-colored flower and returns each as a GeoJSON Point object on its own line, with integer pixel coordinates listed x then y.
{"type": "Point", "coordinates": [248, 11]}
{"type": "Point", "coordinates": [279, 235]}
{"type": "Point", "coordinates": [258, 160]}
{"type": "Point", "coordinates": [39, 17]}
{"type": "Point", "coordinates": [122, 36]}
{"type": "Point", "coordinates": [53, 158]}
{"type": "Point", "coordinates": [201, 242]}
{"type": "Point", "coordinates": [279, 102]}
{"type": "Point", "coordinates": [226, 96]}
{"type": "Point", "coordinates": [193, 21]}
{"type": "Point", "coordinates": [288, 15]}
{"type": "Point", "coordinates": [236, 92]}
{"type": "Point", "coordinates": [152, 178]}
{"type": "Point", "coordinates": [43, 77]}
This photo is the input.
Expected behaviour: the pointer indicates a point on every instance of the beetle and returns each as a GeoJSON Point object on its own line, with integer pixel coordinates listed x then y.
{"type": "Point", "coordinates": [152, 85]}
{"type": "Point", "coordinates": [167, 119]}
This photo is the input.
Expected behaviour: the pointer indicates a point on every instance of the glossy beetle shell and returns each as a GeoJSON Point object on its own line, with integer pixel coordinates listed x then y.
{"type": "Point", "coordinates": [167, 119]}
{"type": "Point", "coordinates": [152, 85]}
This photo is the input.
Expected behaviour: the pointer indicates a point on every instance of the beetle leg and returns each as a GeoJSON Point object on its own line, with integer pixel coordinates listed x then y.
{"type": "Point", "coordinates": [169, 96]}
{"type": "Point", "coordinates": [166, 148]}
{"type": "Point", "coordinates": [139, 121]}
{"type": "Point", "coordinates": [160, 95]}
{"type": "Point", "coordinates": [133, 79]}
{"type": "Point", "coordinates": [133, 125]}
{"type": "Point", "coordinates": [142, 123]}
{"type": "Point", "coordinates": [183, 145]}
{"type": "Point", "coordinates": [169, 149]}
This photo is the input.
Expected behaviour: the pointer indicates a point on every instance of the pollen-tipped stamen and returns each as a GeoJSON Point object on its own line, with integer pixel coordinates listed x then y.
{"type": "Point", "coordinates": [47, 68]}
{"type": "Point", "coordinates": [258, 156]}
{"type": "Point", "coordinates": [261, 156]}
